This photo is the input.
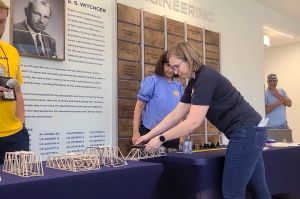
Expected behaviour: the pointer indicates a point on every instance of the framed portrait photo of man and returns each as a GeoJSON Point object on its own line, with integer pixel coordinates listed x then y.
{"type": "Point", "coordinates": [39, 28]}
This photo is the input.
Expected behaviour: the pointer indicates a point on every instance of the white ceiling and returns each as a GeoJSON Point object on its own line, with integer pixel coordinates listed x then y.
{"type": "Point", "coordinates": [280, 37]}
{"type": "Point", "coordinates": [289, 8]}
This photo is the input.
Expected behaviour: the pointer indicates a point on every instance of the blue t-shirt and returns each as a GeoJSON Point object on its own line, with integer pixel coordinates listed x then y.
{"type": "Point", "coordinates": [228, 110]}
{"type": "Point", "coordinates": [160, 96]}
{"type": "Point", "coordinates": [276, 117]}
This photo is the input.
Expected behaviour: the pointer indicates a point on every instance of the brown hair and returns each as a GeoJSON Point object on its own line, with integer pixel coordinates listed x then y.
{"type": "Point", "coordinates": [159, 68]}
{"type": "Point", "coordinates": [184, 51]}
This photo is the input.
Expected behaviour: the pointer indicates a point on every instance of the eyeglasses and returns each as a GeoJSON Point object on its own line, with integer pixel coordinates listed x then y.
{"type": "Point", "coordinates": [272, 80]}
{"type": "Point", "coordinates": [176, 66]}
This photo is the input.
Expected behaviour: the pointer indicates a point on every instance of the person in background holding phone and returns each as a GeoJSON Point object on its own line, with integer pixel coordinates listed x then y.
{"type": "Point", "coordinates": [276, 102]}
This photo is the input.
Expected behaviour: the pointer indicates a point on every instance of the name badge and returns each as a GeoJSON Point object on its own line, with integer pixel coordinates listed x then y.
{"type": "Point", "coordinates": [176, 93]}
{"type": "Point", "coordinates": [9, 95]}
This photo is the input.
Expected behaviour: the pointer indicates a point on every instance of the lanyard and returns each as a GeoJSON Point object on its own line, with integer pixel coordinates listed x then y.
{"type": "Point", "coordinates": [6, 60]}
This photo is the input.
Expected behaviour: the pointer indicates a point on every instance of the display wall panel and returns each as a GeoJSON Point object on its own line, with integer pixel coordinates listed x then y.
{"type": "Point", "coordinates": [211, 128]}
{"type": "Point", "coordinates": [125, 127]}
{"type": "Point", "coordinates": [149, 70]}
{"type": "Point", "coordinates": [197, 45]}
{"type": "Point", "coordinates": [129, 70]}
{"type": "Point", "coordinates": [212, 50]}
{"type": "Point", "coordinates": [212, 59]}
{"type": "Point", "coordinates": [175, 28]}
{"type": "Point", "coordinates": [213, 138]}
{"type": "Point", "coordinates": [211, 38]}
{"type": "Point", "coordinates": [195, 38]}
{"type": "Point", "coordinates": [213, 64]}
{"type": "Point", "coordinates": [129, 51]}
{"type": "Point", "coordinates": [152, 55]}
{"type": "Point", "coordinates": [199, 140]}
{"type": "Point", "coordinates": [128, 89]}
{"type": "Point", "coordinates": [129, 32]}
{"type": "Point", "coordinates": [194, 33]}
{"type": "Point", "coordinates": [200, 129]}
{"type": "Point", "coordinates": [128, 14]}
{"type": "Point", "coordinates": [125, 145]}
{"type": "Point", "coordinates": [212, 55]}
{"type": "Point", "coordinates": [154, 38]}
{"type": "Point", "coordinates": [126, 107]}
{"type": "Point", "coordinates": [175, 32]}
{"type": "Point", "coordinates": [173, 39]}
{"type": "Point", "coordinates": [153, 21]}
{"type": "Point", "coordinates": [153, 44]}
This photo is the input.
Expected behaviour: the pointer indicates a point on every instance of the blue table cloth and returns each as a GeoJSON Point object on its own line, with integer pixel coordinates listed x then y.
{"type": "Point", "coordinates": [199, 175]}
{"type": "Point", "coordinates": [137, 180]}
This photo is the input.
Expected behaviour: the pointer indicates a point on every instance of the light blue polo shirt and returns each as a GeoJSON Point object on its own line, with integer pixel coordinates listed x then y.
{"type": "Point", "coordinates": [160, 96]}
{"type": "Point", "coordinates": [276, 117]}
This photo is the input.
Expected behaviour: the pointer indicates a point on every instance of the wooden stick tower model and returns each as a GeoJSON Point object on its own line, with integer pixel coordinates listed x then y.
{"type": "Point", "coordinates": [23, 163]}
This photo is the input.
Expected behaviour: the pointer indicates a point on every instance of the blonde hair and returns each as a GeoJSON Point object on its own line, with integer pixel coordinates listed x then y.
{"type": "Point", "coordinates": [184, 51]}
{"type": "Point", "coordinates": [3, 5]}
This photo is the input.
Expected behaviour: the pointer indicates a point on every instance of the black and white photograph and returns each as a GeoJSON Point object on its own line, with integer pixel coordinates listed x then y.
{"type": "Point", "coordinates": [38, 28]}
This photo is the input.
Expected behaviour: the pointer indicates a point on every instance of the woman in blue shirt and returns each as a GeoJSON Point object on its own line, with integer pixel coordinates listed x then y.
{"type": "Point", "coordinates": [157, 97]}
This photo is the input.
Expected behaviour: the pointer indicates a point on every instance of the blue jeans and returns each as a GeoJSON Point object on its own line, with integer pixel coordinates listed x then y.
{"type": "Point", "coordinates": [244, 165]}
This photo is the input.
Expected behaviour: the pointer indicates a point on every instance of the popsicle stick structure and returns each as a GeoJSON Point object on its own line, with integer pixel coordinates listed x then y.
{"type": "Point", "coordinates": [23, 163]}
{"type": "Point", "coordinates": [140, 153]}
{"type": "Point", "coordinates": [108, 155]}
{"type": "Point", "coordinates": [74, 162]}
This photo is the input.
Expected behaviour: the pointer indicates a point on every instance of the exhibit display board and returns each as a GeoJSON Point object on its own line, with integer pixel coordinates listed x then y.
{"type": "Point", "coordinates": [142, 37]}
{"type": "Point", "coordinates": [69, 97]}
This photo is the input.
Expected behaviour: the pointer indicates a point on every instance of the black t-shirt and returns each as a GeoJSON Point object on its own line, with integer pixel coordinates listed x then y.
{"type": "Point", "coordinates": [228, 110]}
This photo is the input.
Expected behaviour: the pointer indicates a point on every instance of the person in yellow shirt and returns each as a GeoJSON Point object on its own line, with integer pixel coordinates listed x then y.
{"type": "Point", "coordinates": [13, 134]}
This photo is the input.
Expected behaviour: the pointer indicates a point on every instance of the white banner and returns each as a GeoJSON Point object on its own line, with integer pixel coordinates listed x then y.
{"type": "Point", "coordinates": [69, 103]}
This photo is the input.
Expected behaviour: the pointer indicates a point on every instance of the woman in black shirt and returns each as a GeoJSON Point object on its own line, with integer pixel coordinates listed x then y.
{"type": "Point", "coordinates": [211, 95]}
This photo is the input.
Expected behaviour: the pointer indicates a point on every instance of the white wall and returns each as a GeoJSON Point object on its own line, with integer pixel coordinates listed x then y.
{"type": "Point", "coordinates": [285, 62]}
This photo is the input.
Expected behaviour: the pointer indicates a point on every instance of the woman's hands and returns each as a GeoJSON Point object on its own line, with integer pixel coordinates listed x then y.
{"type": "Point", "coordinates": [154, 143]}
{"type": "Point", "coordinates": [135, 136]}
{"type": "Point", "coordinates": [142, 139]}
